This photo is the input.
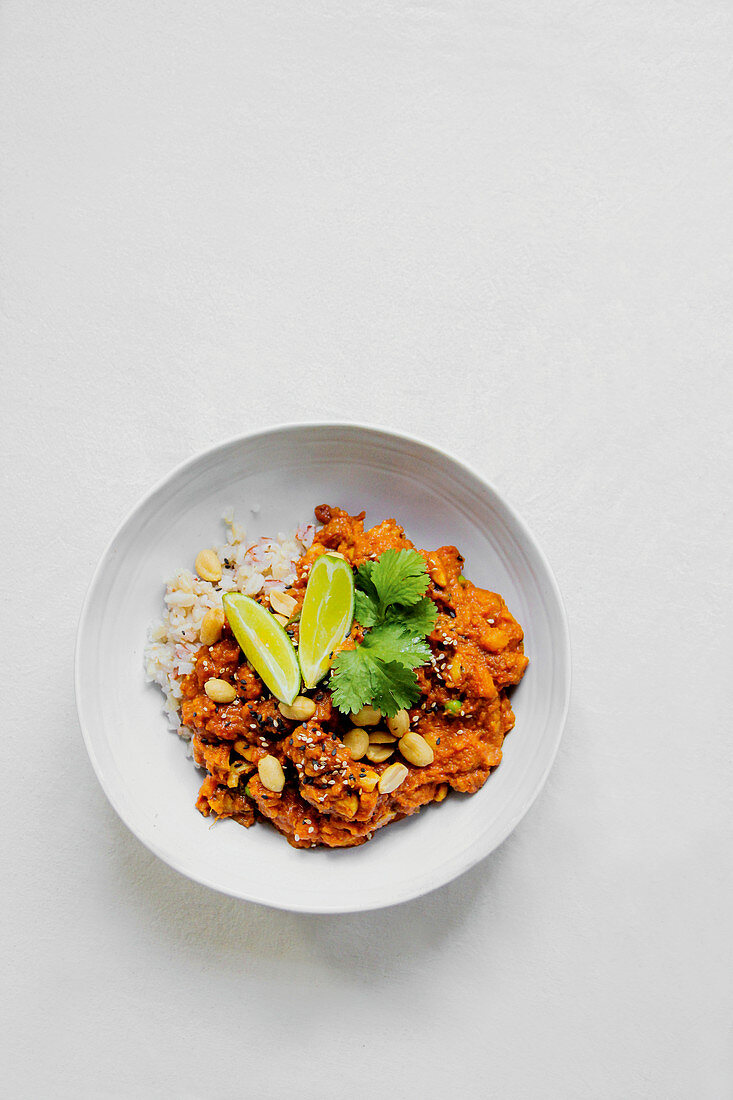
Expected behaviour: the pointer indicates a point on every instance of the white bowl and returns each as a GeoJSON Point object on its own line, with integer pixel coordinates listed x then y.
{"type": "Point", "coordinates": [287, 471]}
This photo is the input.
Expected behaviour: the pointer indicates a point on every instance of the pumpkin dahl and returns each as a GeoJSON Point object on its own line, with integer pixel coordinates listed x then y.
{"type": "Point", "coordinates": [325, 778]}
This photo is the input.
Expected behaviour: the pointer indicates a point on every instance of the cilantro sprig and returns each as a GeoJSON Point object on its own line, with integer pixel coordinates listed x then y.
{"type": "Point", "coordinates": [391, 606]}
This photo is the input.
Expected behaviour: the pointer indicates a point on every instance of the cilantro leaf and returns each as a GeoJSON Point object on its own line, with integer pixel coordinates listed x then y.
{"type": "Point", "coordinates": [390, 605]}
{"type": "Point", "coordinates": [359, 677]}
{"type": "Point", "coordinates": [366, 611]}
{"type": "Point", "coordinates": [418, 619]}
{"type": "Point", "coordinates": [351, 680]}
{"type": "Point", "coordinates": [395, 688]}
{"type": "Point", "coordinates": [399, 576]}
{"type": "Point", "coordinates": [364, 580]}
{"type": "Point", "coordinates": [391, 643]}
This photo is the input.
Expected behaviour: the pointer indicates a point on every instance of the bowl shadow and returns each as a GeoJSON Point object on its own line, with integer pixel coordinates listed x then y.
{"type": "Point", "coordinates": [220, 931]}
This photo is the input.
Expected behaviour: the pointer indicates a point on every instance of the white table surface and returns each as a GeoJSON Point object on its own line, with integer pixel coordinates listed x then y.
{"type": "Point", "coordinates": [507, 228]}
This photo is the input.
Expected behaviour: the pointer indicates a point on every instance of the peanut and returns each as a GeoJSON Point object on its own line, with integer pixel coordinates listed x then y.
{"type": "Point", "coordinates": [416, 750]}
{"type": "Point", "coordinates": [381, 737]}
{"type": "Point", "coordinates": [208, 566]}
{"type": "Point", "coordinates": [271, 774]}
{"type": "Point", "coordinates": [282, 603]}
{"type": "Point", "coordinates": [219, 691]}
{"type": "Point", "coordinates": [377, 754]}
{"type": "Point", "coordinates": [357, 742]}
{"type": "Point", "coordinates": [392, 777]}
{"type": "Point", "coordinates": [300, 710]}
{"type": "Point", "coordinates": [367, 716]}
{"type": "Point", "coordinates": [211, 627]}
{"type": "Point", "coordinates": [400, 724]}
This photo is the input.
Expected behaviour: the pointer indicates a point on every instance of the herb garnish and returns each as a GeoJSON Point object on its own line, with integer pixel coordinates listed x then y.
{"type": "Point", "coordinates": [391, 605]}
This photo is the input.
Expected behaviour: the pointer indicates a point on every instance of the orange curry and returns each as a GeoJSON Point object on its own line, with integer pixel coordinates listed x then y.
{"type": "Point", "coordinates": [330, 798]}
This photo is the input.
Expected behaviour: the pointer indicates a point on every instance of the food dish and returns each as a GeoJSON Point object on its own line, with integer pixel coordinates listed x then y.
{"type": "Point", "coordinates": [405, 699]}
{"type": "Point", "coordinates": [147, 777]}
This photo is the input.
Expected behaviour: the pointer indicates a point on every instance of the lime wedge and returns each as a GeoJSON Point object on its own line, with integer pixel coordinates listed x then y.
{"type": "Point", "coordinates": [265, 645]}
{"type": "Point", "coordinates": [328, 611]}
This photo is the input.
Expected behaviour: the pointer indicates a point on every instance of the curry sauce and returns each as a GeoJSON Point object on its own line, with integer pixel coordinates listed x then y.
{"type": "Point", "coordinates": [329, 798]}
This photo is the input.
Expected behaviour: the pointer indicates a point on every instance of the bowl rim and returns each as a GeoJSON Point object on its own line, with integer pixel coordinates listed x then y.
{"type": "Point", "coordinates": [477, 852]}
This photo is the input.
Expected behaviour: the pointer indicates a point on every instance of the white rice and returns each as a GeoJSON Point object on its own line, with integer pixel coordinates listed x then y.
{"type": "Point", "coordinates": [250, 568]}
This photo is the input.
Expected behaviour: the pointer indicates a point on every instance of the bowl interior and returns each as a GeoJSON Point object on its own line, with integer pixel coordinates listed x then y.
{"type": "Point", "coordinates": [273, 481]}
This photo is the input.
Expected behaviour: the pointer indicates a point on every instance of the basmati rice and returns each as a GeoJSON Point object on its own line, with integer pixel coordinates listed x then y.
{"type": "Point", "coordinates": [267, 564]}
